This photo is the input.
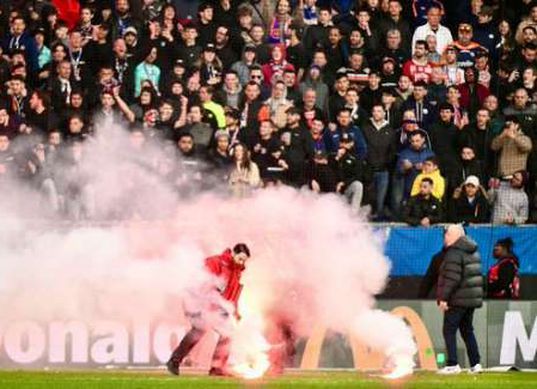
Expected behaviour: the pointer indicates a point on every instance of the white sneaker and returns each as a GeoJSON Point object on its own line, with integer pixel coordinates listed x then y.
{"type": "Point", "coordinates": [449, 370]}
{"type": "Point", "coordinates": [477, 369]}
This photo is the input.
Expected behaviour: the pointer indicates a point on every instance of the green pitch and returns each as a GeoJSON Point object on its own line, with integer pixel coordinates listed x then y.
{"type": "Point", "coordinates": [157, 380]}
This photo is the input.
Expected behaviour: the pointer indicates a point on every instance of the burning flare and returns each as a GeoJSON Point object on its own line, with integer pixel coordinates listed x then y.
{"type": "Point", "coordinates": [249, 349]}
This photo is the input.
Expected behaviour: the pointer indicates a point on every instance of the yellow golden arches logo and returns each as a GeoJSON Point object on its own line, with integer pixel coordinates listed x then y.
{"type": "Point", "coordinates": [367, 359]}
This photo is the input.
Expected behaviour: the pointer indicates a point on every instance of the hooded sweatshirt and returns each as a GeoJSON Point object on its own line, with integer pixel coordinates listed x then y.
{"type": "Point", "coordinates": [439, 184]}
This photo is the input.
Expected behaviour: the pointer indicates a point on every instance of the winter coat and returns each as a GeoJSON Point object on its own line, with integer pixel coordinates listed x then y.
{"type": "Point", "coordinates": [462, 211]}
{"type": "Point", "coordinates": [380, 145]}
{"type": "Point", "coordinates": [415, 157]}
{"type": "Point", "coordinates": [419, 207]}
{"type": "Point", "coordinates": [332, 140]}
{"type": "Point", "coordinates": [460, 282]}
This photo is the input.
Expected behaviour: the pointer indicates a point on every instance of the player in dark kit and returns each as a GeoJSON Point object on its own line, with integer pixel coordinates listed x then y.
{"type": "Point", "coordinates": [210, 312]}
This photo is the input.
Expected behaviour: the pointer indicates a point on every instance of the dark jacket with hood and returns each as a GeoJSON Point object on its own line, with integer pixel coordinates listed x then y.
{"type": "Point", "coordinates": [460, 281]}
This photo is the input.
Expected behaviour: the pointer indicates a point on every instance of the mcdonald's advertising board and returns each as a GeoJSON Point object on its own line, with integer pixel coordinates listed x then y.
{"type": "Point", "coordinates": [506, 333]}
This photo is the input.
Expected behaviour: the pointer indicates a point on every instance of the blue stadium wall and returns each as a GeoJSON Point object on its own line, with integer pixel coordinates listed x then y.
{"type": "Point", "coordinates": [410, 251]}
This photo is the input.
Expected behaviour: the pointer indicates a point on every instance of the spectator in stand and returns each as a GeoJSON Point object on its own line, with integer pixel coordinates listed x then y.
{"type": "Point", "coordinates": [469, 203]}
{"type": "Point", "coordinates": [420, 9]}
{"type": "Point", "coordinates": [525, 112]}
{"type": "Point", "coordinates": [353, 173]}
{"type": "Point", "coordinates": [503, 278]}
{"type": "Point", "coordinates": [147, 70]}
{"type": "Point", "coordinates": [430, 170]}
{"type": "Point", "coordinates": [424, 111]}
{"type": "Point", "coordinates": [418, 68]}
{"type": "Point", "coordinates": [472, 93]}
{"type": "Point", "coordinates": [314, 80]}
{"type": "Point", "coordinates": [479, 136]}
{"type": "Point", "coordinates": [244, 177]}
{"type": "Point", "coordinates": [298, 148]}
{"type": "Point", "coordinates": [395, 20]}
{"type": "Point", "coordinates": [513, 147]}
{"type": "Point", "coordinates": [372, 93]}
{"type": "Point", "coordinates": [466, 165]}
{"type": "Point", "coordinates": [380, 139]}
{"type": "Point", "coordinates": [276, 106]}
{"type": "Point", "coordinates": [242, 67]}
{"type": "Point", "coordinates": [454, 74]}
{"type": "Point", "coordinates": [443, 136]}
{"type": "Point", "coordinates": [219, 154]}
{"type": "Point", "coordinates": [7, 160]}
{"type": "Point", "coordinates": [467, 50]}
{"type": "Point", "coordinates": [322, 174]}
{"type": "Point", "coordinates": [409, 165]}
{"type": "Point", "coordinates": [423, 209]}
{"type": "Point", "coordinates": [344, 126]}
{"type": "Point", "coordinates": [206, 97]}
{"type": "Point", "coordinates": [433, 26]}
{"type": "Point", "coordinates": [267, 151]}
{"type": "Point", "coordinates": [310, 111]}
{"type": "Point", "coordinates": [509, 200]}
{"type": "Point", "coordinates": [20, 39]}
{"type": "Point", "coordinates": [75, 185]}
{"type": "Point", "coordinates": [486, 31]}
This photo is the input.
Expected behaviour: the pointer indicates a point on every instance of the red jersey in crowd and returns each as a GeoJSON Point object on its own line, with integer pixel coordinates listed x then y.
{"type": "Point", "coordinates": [417, 72]}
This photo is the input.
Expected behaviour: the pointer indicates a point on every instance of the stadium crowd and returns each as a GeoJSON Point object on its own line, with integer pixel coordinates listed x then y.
{"type": "Point", "coordinates": [426, 110]}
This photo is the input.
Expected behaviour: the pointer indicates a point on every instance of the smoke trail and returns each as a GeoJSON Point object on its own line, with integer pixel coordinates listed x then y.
{"type": "Point", "coordinates": [313, 262]}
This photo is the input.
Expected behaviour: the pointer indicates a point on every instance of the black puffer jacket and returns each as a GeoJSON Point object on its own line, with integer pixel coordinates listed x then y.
{"type": "Point", "coordinates": [460, 282]}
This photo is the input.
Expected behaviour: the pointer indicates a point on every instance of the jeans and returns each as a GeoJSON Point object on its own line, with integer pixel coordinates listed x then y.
{"type": "Point", "coordinates": [397, 195]}
{"type": "Point", "coordinates": [381, 180]}
{"type": "Point", "coordinates": [354, 194]}
{"type": "Point", "coordinates": [456, 318]}
{"type": "Point", "coordinates": [50, 195]}
{"type": "Point", "coordinates": [82, 205]}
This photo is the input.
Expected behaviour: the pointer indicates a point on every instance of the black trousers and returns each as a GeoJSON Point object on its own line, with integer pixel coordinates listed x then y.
{"type": "Point", "coordinates": [221, 352]}
{"type": "Point", "coordinates": [456, 318]}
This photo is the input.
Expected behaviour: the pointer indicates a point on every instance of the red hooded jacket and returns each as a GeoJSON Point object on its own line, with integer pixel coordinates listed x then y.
{"type": "Point", "coordinates": [229, 272]}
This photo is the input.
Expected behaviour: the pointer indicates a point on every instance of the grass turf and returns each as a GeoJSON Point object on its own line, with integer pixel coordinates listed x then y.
{"type": "Point", "coordinates": [157, 380]}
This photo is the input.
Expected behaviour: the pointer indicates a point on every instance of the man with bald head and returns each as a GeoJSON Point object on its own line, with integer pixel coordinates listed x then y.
{"type": "Point", "coordinates": [459, 293]}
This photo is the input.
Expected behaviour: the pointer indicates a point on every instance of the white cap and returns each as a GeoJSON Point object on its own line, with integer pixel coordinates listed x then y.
{"type": "Point", "coordinates": [472, 180]}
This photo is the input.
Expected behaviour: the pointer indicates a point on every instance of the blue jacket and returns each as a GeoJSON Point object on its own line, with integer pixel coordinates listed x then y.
{"type": "Point", "coordinates": [414, 157]}
{"type": "Point", "coordinates": [332, 138]}
{"type": "Point", "coordinates": [426, 117]}
{"type": "Point", "coordinates": [26, 43]}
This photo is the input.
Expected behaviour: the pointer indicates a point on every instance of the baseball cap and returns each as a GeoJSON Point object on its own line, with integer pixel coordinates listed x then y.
{"type": "Point", "coordinates": [472, 180]}
{"type": "Point", "coordinates": [250, 47]}
{"type": "Point", "coordinates": [130, 30]}
{"type": "Point", "coordinates": [209, 47]}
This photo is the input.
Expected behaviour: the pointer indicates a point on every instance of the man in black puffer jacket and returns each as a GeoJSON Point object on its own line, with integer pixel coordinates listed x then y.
{"type": "Point", "coordinates": [459, 293]}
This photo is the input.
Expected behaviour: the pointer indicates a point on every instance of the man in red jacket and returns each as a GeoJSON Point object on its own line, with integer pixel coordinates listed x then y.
{"type": "Point", "coordinates": [210, 313]}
